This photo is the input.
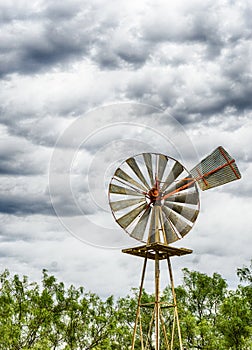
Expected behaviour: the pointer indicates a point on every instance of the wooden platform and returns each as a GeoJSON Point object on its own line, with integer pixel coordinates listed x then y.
{"type": "Point", "coordinates": [163, 251]}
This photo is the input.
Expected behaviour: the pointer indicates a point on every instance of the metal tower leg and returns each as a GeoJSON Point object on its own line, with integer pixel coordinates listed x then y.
{"type": "Point", "coordinates": [157, 302]}
{"type": "Point", "coordinates": [176, 318]}
{"type": "Point", "coordinates": [139, 303]}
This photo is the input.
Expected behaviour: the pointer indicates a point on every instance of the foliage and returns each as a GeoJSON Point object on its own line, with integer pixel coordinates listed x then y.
{"type": "Point", "coordinates": [50, 316]}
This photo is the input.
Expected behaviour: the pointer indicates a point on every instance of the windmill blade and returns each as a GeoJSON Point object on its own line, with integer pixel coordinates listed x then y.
{"type": "Point", "coordinates": [182, 227]}
{"type": "Point", "coordinates": [119, 205]}
{"type": "Point", "coordinates": [188, 213]}
{"type": "Point", "coordinates": [128, 218]}
{"type": "Point", "coordinates": [124, 176]}
{"type": "Point", "coordinates": [162, 161]}
{"type": "Point", "coordinates": [216, 169]}
{"type": "Point", "coordinates": [122, 190]}
{"type": "Point", "coordinates": [189, 198]}
{"type": "Point", "coordinates": [139, 229]}
{"type": "Point", "coordinates": [170, 234]}
{"type": "Point", "coordinates": [133, 164]}
{"type": "Point", "coordinates": [176, 170]}
{"type": "Point", "coordinates": [154, 225]}
{"type": "Point", "coordinates": [148, 164]}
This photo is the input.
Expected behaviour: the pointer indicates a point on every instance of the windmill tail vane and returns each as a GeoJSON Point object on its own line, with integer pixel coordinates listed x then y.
{"type": "Point", "coordinates": [215, 170]}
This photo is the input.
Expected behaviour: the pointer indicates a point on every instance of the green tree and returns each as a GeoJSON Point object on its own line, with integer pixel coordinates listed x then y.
{"type": "Point", "coordinates": [245, 276]}
{"type": "Point", "coordinates": [199, 299]}
{"type": "Point", "coordinates": [125, 319]}
{"type": "Point", "coordinates": [50, 316]}
{"type": "Point", "coordinates": [235, 317]}
{"type": "Point", "coordinates": [234, 321]}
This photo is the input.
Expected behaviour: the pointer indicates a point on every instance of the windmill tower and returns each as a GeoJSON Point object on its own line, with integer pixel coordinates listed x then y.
{"type": "Point", "coordinates": [156, 201]}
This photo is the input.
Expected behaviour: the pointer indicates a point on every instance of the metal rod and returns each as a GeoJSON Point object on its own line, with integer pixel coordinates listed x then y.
{"type": "Point", "coordinates": [139, 303]}
{"type": "Point", "coordinates": [157, 306]}
{"type": "Point", "coordinates": [175, 302]}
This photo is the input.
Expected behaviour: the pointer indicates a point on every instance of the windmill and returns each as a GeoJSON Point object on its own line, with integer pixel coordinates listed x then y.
{"type": "Point", "coordinates": [156, 201]}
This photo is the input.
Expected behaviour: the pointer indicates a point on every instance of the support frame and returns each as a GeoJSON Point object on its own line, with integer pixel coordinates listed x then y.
{"type": "Point", "coordinates": [157, 251]}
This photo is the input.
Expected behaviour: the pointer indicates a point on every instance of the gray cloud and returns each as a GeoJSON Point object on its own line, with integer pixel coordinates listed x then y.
{"type": "Point", "coordinates": [17, 205]}
{"type": "Point", "coordinates": [35, 203]}
{"type": "Point", "coordinates": [44, 37]}
{"type": "Point", "coordinates": [60, 59]}
{"type": "Point", "coordinates": [36, 50]}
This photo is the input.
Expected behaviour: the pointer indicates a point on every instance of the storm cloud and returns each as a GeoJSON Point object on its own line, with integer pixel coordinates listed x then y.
{"type": "Point", "coordinates": [180, 76]}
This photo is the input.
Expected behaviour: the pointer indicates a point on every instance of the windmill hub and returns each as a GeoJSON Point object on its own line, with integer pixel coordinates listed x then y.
{"type": "Point", "coordinates": [154, 196]}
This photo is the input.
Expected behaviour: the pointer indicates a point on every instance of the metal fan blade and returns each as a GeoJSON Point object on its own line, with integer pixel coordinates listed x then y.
{"type": "Point", "coordinates": [170, 234]}
{"type": "Point", "coordinates": [140, 227]}
{"type": "Point", "coordinates": [118, 205]}
{"type": "Point", "coordinates": [162, 161]}
{"type": "Point", "coordinates": [122, 190]}
{"type": "Point", "coordinates": [127, 219]}
{"type": "Point", "coordinates": [216, 169]}
{"type": "Point", "coordinates": [122, 175]}
{"type": "Point", "coordinates": [182, 227]}
{"type": "Point", "coordinates": [133, 164]}
{"type": "Point", "coordinates": [157, 223]}
{"type": "Point", "coordinates": [151, 236]}
{"type": "Point", "coordinates": [176, 170]}
{"type": "Point", "coordinates": [189, 198]}
{"type": "Point", "coordinates": [188, 213]}
{"type": "Point", "coordinates": [154, 225]}
{"type": "Point", "coordinates": [148, 163]}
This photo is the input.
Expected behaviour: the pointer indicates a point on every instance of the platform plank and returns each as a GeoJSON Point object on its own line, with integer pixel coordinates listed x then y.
{"type": "Point", "coordinates": [162, 251]}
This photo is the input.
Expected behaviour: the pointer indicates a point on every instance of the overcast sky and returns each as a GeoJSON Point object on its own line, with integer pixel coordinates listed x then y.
{"type": "Point", "coordinates": [84, 85]}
